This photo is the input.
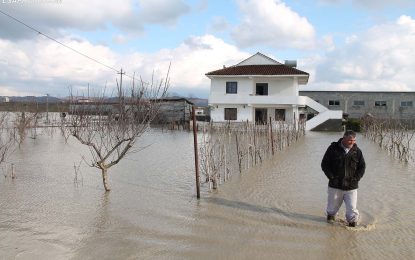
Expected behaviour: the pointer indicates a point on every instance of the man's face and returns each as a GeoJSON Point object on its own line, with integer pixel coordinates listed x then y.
{"type": "Point", "coordinates": [348, 141]}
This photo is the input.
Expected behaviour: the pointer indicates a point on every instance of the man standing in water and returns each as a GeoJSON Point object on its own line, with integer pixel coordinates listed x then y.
{"type": "Point", "coordinates": [344, 166]}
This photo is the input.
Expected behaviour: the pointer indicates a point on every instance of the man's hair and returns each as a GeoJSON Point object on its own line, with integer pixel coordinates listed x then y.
{"type": "Point", "coordinates": [349, 133]}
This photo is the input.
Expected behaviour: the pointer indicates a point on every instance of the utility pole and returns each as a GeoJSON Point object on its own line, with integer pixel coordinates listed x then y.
{"type": "Point", "coordinates": [120, 94]}
{"type": "Point", "coordinates": [120, 87]}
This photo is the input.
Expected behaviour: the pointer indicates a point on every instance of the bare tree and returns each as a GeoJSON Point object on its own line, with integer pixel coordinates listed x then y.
{"type": "Point", "coordinates": [226, 148]}
{"type": "Point", "coordinates": [25, 121]}
{"type": "Point", "coordinates": [391, 135]}
{"type": "Point", "coordinates": [110, 130]}
{"type": "Point", "coordinates": [7, 139]}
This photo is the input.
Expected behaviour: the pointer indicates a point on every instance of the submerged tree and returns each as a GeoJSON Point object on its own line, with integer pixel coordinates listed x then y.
{"type": "Point", "coordinates": [7, 139]}
{"type": "Point", "coordinates": [25, 121]}
{"type": "Point", "coordinates": [391, 135]}
{"type": "Point", "coordinates": [227, 148]}
{"type": "Point", "coordinates": [111, 130]}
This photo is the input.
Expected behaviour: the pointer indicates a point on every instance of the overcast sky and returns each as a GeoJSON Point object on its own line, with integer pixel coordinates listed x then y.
{"type": "Point", "coordinates": [344, 44]}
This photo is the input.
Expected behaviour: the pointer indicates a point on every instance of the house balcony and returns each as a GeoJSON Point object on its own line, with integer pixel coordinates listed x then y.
{"type": "Point", "coordinates": [259, 100]}
{"type": "Point", "coordinates": [323, 113]}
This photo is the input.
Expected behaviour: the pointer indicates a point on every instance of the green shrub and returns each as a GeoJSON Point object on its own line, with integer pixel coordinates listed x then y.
{"type": "Point", "coordinates": [353, 124]}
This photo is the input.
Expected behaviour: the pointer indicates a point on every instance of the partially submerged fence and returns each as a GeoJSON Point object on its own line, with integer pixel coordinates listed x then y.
{"type": "Point", "coordinates": [391, 135]}
{"type": "Point", "coordinates": [229, 148]}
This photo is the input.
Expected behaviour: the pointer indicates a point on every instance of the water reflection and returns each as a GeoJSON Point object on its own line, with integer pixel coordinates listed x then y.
{"type": "Point", "coordinates": [259, 209]}
{"type": "Point", "coordinates": [102, 219]}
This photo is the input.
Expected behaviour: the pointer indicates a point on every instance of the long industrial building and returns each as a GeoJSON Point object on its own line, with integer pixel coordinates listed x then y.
{"type": "Point", "coordinates": [355, 104]}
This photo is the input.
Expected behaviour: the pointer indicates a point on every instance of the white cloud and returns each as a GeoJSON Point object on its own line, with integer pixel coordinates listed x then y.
{"type": "Point", "coordinates": [11, 91]}
{"type": "Point", "coordinates": [219, 24]}
{"type": "Point", "coordinates": [162, 11]}
{"type": "Point", "coordinates": [83, 15]}
{"type": "Point", "coordinates": [272, 23]}
{"type": "Point", "coordinates": [120, 39]}
{"type": "Point", "coordinates": [372, 4]}
{"type": "Point", "coordinates": [381, 58]}
{"type": "Point", "coordinates": [328, 42]}
{"type": "Point", "coordinates": [190, 61]}
{"type": "Point", "coordinates": [201, 5]}
{"type": "Point", "coordinates": [127, 15]}
{"type": "Point", "coordinates": [42, 66]}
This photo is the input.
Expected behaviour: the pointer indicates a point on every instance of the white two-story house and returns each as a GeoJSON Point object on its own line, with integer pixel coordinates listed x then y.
{"type": "Point", "coordinates": [260, 88]}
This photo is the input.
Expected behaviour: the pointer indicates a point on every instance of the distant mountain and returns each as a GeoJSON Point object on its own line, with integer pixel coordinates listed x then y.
{"type": "Point", "coordinates": [200, 102]}
{"type": "Point", "coordinates": [41, 99]}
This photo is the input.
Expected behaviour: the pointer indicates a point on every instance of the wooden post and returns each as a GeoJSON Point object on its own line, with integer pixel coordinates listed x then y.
{"type": "Point", "coordinates": [196, 152]}
{"type": "Point", "coordinates": [237, 153]}
{"type": "Point", "coordinates": [254, 130]}
{"type": "Point", "coordinates": [13, 176]}
{"type": "Point", "coordinates": [272, 136]}
{"type": "Point", "coordinates": [47, 108]}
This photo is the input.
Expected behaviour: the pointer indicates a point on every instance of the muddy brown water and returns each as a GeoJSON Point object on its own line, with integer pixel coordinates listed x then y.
{"type": "Point", "coordinates": [275, 211]}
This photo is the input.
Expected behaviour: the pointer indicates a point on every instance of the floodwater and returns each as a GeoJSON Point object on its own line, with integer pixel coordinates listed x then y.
{"type": "Point", "coordinates": [275, 211]}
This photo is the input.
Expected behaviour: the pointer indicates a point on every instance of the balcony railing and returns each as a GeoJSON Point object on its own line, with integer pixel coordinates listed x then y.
{"type": "Point", "coordinates": [255, 100]}
{"type": "Point", "coordinates": [324, 113]}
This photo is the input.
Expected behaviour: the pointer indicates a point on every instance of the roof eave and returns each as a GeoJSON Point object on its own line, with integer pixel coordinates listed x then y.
{"type": "Point", "coordinates": [257, 75]}
{"type": "Point", "coordinates": [303, 81]}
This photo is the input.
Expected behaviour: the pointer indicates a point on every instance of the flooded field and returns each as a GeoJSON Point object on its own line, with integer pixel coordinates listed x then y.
{"type": "Point", "coordinates": [275, 211]}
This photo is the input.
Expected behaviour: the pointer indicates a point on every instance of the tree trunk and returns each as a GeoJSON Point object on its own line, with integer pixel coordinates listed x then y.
{"type": "Point", "coordinates": [215, 183]}
{"type": "Point", "coordinates": [104, 171]}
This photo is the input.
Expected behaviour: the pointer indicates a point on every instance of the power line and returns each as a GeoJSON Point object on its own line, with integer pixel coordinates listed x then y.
{"type": "Point", "coordinates": [64, 45]}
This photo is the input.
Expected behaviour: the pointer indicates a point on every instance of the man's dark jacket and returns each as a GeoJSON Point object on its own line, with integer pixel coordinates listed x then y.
{"type": "Point", "coordinates": [343, 170]}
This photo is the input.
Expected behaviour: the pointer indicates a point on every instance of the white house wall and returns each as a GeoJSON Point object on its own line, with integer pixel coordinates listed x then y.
{"type": "Point", "coordinates": [247, 113]}
{"type": "Point", "coordinates": [218, 89]}
{"type": "Point", "coordinates": [244, 113]}
{"type": "Point", "coordinates": [246, 88]}
{"type": "Point", "coordinates": [276, 86]}
{"type": "Point", "coordinates": [282, 94]}
{"type": "Point", "coordinates": [258, 60]}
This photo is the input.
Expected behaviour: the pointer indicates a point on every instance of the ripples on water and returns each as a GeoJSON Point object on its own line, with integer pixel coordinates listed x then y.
{"type": "Point", "coordinates": [273, 211]}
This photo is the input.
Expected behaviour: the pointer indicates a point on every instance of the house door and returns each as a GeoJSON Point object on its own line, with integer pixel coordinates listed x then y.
{"type": "Point", "coordinates": [260, 116]}
{"type": "Point", "coordinates": [280, 114]}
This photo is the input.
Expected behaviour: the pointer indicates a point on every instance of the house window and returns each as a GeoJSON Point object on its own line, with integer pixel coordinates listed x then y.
{"type": "Point", "coordinates": [230, 113]}
{"type": "Point", "coordinates": [406, 104]}
{"type": "Point", "coordinates": [280, 114]}
{"type": "Point", "coordinates": [380, 103]}
{"type": "Point", "coordinates": [358, 103]}
{"type": "Point", "coordinates": [231, 87]}
{"type": "Point", "coordinates": [261, 89]}
{"type": "Point", "coordinates": [261, 116]}
{"type": "Point", "coordinates": [334, 102]}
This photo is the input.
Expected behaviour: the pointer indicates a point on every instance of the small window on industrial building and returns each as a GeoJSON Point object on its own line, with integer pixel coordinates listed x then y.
{"type": "Point", "coordinates": [230, 113]}
{"type": "Point", "coordinates": [231, 87]}
{"type": "Point", "coordinates": [334, 102]}
{"type": "Point", "coordinates": [358, 103]}
{"type": "Point", "coordinates": [407, 104]}
{"type": "Point", "coordinates": [380, 103]}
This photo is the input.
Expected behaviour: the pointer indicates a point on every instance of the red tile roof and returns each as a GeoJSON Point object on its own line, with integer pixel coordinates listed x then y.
{"type": "Point", "coordinates": [257, 70]}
